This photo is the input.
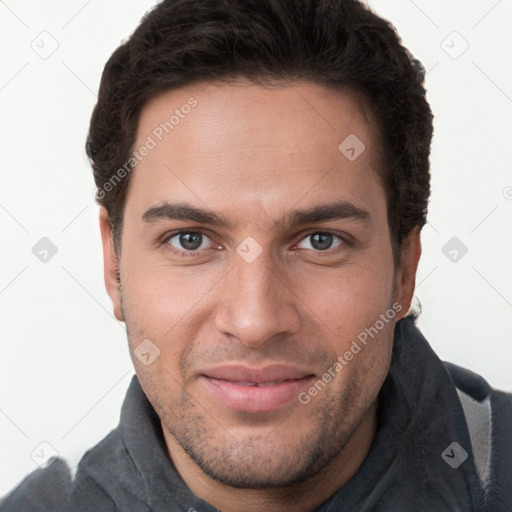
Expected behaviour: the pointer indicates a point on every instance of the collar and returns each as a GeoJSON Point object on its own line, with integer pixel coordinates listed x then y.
{"type": "Point", "coordinates": [419, 417]}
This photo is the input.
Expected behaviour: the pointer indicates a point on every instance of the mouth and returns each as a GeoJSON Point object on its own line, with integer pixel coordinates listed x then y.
{"type": "Point", "coordinates": [255, 390]}
{"type": "Point", "coordinates": [257, 384]}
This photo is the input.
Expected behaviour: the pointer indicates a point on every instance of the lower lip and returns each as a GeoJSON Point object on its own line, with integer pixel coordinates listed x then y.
{"type": "Point", "coordinates": [255, 398]}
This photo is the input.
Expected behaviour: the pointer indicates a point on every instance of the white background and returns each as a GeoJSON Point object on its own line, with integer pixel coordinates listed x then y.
{"type": "Point", "coordinates": [64, 360]}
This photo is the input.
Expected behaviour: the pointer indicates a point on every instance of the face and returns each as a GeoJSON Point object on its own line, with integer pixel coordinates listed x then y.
{"type": "Point", "coordinates": [255, 257]}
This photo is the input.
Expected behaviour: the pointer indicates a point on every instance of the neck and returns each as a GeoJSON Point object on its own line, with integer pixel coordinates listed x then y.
{"type": "Point", "coordinates": [301, 497]}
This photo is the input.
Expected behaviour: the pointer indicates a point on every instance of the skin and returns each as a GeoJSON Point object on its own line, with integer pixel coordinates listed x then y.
{"type": "Point", "coordinates": [253, 154]}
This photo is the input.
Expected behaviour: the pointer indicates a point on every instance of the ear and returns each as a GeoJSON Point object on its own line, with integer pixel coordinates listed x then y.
{"type": "Point", "coordinates": [110, 264]}
{"type": "Point", "coordinates": [406, 277]}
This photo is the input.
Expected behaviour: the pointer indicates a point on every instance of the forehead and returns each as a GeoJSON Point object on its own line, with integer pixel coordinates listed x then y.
{"type": "Point", "coordinates": [248, 108]}
{"type": "Point", "coordinates": [220, 143]}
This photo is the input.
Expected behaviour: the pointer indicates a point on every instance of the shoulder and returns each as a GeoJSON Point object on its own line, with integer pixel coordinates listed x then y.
{"type": "Point", "coordinates": [488, 414]}
{"type": "Point", "coordinates": [475, 391]}
{"type": "Point", "coordinates": [54, 489]}
{"type": "Point", "coordinates": [42, 490]}
{"type": "Point", "coordinates": [469, 382]}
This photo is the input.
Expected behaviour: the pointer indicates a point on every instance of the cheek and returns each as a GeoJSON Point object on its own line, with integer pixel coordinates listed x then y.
{"type": "Point", "coordinates": [167, 306]}
{"type": "Point", "coordinates": [159, 295]}
{"type": "Point", "coordinates": [349, 303]}
{"type": "Point", "coordinates": [348, 300]}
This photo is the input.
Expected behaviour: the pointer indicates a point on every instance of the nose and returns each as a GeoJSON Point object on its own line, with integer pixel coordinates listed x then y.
{"type": "Point", "coordinates": [256, 302]}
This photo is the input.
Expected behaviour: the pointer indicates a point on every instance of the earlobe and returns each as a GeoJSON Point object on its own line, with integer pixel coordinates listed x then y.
{"type": "Point", "coordinates": [406, 282]}
{"type": "Point", "coordinates": [110, 264]}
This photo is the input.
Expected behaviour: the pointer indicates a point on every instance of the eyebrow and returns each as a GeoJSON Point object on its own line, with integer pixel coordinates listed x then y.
{"type": "Point", "coordinates": [323, 212]}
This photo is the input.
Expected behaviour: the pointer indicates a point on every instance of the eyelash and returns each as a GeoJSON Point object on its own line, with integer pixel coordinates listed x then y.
{"type": "Point", "coordinates": [192, 254]}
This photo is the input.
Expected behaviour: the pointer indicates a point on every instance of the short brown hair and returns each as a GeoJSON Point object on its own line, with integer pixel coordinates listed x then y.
{"type": "Point", "coordinates": [339, 43]}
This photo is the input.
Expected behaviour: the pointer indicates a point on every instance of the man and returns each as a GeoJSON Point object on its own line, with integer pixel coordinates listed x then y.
{"type": "Point", "coordinates": [262, 173]}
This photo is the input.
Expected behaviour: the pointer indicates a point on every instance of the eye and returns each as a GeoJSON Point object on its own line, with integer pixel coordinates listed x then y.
{"type": "Point", "coordinates": [188, 241]}
{"type": "Point", "coordinates": [322, 241]}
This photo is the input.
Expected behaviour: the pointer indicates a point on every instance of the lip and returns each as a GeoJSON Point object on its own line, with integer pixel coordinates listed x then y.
{"type": "Point", "coordinates": [255, 389]}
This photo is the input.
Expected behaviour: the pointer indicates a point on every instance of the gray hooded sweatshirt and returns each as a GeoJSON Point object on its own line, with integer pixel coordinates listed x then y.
{"type": "Point", "coordinates": [443, 443]}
